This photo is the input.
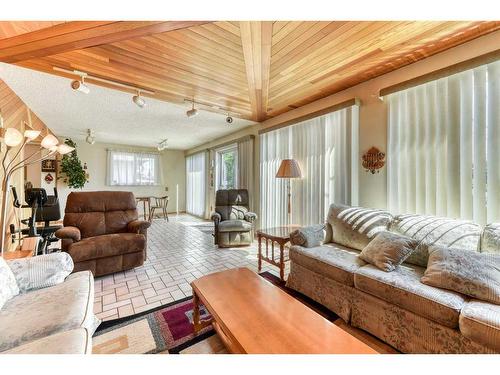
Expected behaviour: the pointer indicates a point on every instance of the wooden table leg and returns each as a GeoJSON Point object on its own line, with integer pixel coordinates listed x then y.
{"type": "Point", "coordinates": [144, 205]}
{"type": "Point", "coordinates": [196, 313]}
{"type": "Point", "coordinates": [282, 262]}
{"type": "Point", "coordinates": [260, 252]}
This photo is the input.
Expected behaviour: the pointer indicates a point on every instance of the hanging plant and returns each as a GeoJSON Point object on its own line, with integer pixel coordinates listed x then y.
{"type": "Point", "coordinates": [72, 168]}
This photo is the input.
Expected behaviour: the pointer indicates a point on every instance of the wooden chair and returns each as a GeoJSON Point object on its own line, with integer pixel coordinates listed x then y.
{"type": "Point", "coordinates": [159, 203]}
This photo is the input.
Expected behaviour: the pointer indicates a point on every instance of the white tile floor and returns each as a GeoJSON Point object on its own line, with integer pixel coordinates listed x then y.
{"type": "Point", "coordinates": [177, 254]}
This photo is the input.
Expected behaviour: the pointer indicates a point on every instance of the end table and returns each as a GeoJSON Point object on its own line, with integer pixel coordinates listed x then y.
{"type": "Point", "coordinates": [279, 235]}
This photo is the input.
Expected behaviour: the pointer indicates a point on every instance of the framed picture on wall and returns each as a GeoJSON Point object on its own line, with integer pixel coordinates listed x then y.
{"type": "Point", "coordinates": [49, 165]}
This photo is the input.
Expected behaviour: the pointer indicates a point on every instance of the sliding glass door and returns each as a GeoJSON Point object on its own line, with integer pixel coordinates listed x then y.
{"type": "Point", "coordinates": [196, 178]}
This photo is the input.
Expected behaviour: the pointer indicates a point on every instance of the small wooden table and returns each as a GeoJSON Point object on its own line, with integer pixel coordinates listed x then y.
{"type": "Point", "coordinates": [145, 201]}
{"type": "Point", "coordinates": [280, 235]}
{"type": "Point", "coordinates": [253, 316]}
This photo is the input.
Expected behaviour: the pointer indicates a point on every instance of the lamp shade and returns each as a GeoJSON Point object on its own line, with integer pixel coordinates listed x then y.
{"type": "Point", "coordinates": [13, 137]}
{"type": "Point", "coordinates": [64, 149]}
{"type": "Point", "coordinates": [289, 168]}
{"type": "Point", "coordinates": [48, 141]}
{"type": "Point", "coordinates": [31, 134]}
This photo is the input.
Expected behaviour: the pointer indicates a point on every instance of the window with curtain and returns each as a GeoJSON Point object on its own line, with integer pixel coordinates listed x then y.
{"type": "Point", "coordinates": [227, 167]}
{"type": "Point", "coordinates": [133, 168]}
{"type": "Point", "coordinates": [443, 146]}
{"type": "Point", "coordinates": [323, 146]}
{"type": "Point", "coordinates": [196, 184]}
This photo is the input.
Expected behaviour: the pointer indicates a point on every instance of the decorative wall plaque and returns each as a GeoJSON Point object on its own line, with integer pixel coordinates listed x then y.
{"type": "Point", "coordinates": [373, 160]}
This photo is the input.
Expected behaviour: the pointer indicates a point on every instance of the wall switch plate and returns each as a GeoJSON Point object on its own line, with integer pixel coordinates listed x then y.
{"type": "Point", "coordinates": [166, 188]}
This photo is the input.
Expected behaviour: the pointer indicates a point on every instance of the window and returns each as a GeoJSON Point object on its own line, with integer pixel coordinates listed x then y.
{"type": "Point", "coordinates": [227, 167]}
{"type": "Point", "coordinates": [443, 156]}
{"type": "Point", "coordinates": [196, 184]}
{"type": "Point", "coordinates": [131, 168]}
{"type": "Point", "coordinates": [324, 147]}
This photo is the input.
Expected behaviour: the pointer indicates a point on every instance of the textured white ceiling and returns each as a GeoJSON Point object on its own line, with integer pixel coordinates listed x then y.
{"type": "Point", "coordinates": [112, 114]}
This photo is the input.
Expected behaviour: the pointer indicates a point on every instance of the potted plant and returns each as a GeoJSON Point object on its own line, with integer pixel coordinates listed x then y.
{"type": "Point", "coordinates": [71, 166]}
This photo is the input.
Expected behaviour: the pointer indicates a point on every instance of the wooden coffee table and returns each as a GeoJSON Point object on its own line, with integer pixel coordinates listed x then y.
{"type": "Point", "coordinates": [253, 316]}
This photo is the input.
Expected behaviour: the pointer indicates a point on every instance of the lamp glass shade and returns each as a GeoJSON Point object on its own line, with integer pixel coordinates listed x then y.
{"type": "Point", "coordinates": [31, 134]}
{"type": "Point", "coordinates": [64, 149]}
{"type": "Point", "coordinates": [289, 168]}
{"type": "Point", "coordinates": [13, 137]}
{"type": "Point", "coordinates": [48, 141]}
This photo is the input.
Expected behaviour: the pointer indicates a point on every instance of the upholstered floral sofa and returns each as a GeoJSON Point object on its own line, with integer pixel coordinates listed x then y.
{"type": "Point", "coordinates": [42, 309]}
{"type": "Point", "coordinates": [396, 306]}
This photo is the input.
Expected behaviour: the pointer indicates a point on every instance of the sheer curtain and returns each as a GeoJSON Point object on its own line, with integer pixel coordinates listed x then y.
{"type": "Point", "coordinates": [323, 148]}
{"type": "Point", "coordinates": [196, 178]}
{"type": "Point", "coordinates": [245, 167]}
{"type": "Point", "coordinates": [443, 154]}
{"type": "Point", "coordinates": [133, 168]}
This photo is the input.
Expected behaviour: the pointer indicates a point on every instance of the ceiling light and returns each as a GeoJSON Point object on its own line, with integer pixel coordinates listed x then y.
{"type": "Point", "coordinates": [48, 141]}
{"type": "Point", "coordinates": [13, 137]}
{"type": "Point", "coordinates": [192, 112]}
{"type": "Point", "coordinates": [80, 86]}
{"type": "Point", "coordinates": [90, 139]}
{"type": "Point", "coordinates": [162, 145]}
{"type": "Point", "coordinates": [139, 100]}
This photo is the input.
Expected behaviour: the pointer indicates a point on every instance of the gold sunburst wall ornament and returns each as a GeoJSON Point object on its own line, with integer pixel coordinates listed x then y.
{"type": "Point", "coordinates": [373, 160]}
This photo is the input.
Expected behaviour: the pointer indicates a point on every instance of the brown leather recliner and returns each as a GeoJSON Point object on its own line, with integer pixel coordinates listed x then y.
{"type": "Point", "coordinates": [102, 232]}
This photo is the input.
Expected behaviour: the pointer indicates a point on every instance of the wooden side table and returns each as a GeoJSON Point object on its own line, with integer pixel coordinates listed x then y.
{"type": "Point", "coordinates": [279, 235]}
{"type": "Point", "coordinates": [27, 250]}
{"type": "Point", "coordinates": [145, 201]}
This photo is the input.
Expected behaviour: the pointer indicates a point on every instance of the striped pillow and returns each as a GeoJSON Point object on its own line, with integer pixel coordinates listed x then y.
{"type": "Point", "coordinates": [41, 271]}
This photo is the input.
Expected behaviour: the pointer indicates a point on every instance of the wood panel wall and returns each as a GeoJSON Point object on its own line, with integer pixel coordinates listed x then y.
{"type": "Point", "coordinates": [16, 114]}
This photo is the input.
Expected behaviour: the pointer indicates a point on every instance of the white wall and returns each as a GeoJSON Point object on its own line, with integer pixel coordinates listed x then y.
{"type": "Point", "coordinates": [172, 167]}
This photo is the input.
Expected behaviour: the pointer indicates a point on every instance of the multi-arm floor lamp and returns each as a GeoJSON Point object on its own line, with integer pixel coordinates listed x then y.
{"type": "Point", "coordinates": [14, 138]}
{"type": "Point", "coordinates": [288, 169]}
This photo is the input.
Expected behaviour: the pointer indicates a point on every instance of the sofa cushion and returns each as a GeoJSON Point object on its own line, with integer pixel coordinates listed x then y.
{"type": "Point", "coordinates": [41, 271]}
{"type": "Point", "coordinates": [8, 284]}
{"type": "Point", "coordinates": [402, 287]}
{"type": "Point", "coordinates": [388, 250]}
{"type": "Point", "coordinates": [474, 274]}
{"type": "Point", "coordinates": [106, 246]}
{"type": "Point", "coordinates": [48, 311]}
{"type": "Point", "coordinates": [75, 341]}
{"type": "Point", "coordinates": [235, 226]}
{"type": "Point", "coordinates": [480, 322]}
{"type": "Point", "coordinates": [432, 230]}
{"type": "Point", "coordinates": [490, 238]}
{"type": "Point", "coordinates": [331, 260]}
{"type": "Point", "coordinates": [310, 236]}
{"type": "Point", "coordinates": [355, 226]}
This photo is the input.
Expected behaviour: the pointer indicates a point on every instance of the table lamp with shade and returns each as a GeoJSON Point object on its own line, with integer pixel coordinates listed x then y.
{"type": "Point", "coordinates": [14, 138]}
{"type": "Point", "coordinates": [289, 168]}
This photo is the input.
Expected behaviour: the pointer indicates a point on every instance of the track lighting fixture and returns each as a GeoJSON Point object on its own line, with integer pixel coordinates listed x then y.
{"type": "Point", "coordinates": [90, 139]}
{"type": "Point", "coordinates": [192, 112]}
{"type": "Point", "coordinates": [162, 145]}
{"type": "Point", "coordinates": [139, 100]}
{"type": "Point", "coordinates": [80, 85]}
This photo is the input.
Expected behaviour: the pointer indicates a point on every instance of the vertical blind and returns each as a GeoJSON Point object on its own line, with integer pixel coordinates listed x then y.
{"type": "Point", "coordinates": [196, 178]}
{"type": "Point", "coordinates": [323, 148]}
{"type": "Point", "coordinates": [133, 168]}
{"type": "Point", "coordinates": [444, 155]}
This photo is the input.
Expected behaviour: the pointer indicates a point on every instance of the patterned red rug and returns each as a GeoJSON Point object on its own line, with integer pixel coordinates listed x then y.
{"type": "Point", "coordinates": [170, 327]}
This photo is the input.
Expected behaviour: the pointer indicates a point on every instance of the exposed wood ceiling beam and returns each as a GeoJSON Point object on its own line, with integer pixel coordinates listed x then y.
{"type": "Point", "coordinates": [81, 34]}
{"type": "Point", "coordinates": [256, 39]}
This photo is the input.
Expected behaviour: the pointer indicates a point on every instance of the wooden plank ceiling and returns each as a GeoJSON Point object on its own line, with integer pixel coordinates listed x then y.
{"type": "Point", "coordinates": [253, 70]}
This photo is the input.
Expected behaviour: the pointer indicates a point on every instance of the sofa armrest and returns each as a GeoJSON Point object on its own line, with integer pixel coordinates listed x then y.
{"type": "Point", "coordinates": [138, 226]}
{"type": "Point", "coordinates": [69, 233]}
{"type": "Point", "coordinates": [309, 236]}
{"type": "Point", "coordinates": [216, 218]}
{"type": "Point", "coordinates": [250, 217]}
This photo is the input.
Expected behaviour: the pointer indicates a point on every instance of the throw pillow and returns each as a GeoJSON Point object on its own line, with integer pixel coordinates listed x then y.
{"type": "Point", "coordinates": [41, 271]}
{"type": "Point", "coordinates": [464, 271]}
{"type": "Point", "coordinates": [388, 250]}
{"type": "Point", "coordinates": [8, 284]}
{"type": "Point", "coordinates": [308, 236]}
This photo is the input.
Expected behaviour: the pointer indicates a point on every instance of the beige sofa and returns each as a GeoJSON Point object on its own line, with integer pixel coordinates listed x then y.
{"type": "Point", "coordinates": [395, 306]}
{"type": "Point", "coordinates": [54, 320]}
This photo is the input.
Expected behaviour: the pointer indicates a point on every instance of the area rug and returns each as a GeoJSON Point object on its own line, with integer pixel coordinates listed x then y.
{"type": "Point", "coordinates": [168, 329]}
